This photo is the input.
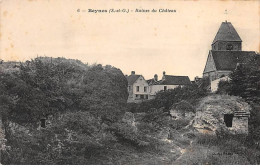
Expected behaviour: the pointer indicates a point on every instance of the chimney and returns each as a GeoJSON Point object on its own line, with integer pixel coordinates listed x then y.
{"type": "Point", "coordinates": [163, 77]}
{"type": "Point", "coordinates": [132, 72]}
{"type": "Point", "coordinates": [156, 77]}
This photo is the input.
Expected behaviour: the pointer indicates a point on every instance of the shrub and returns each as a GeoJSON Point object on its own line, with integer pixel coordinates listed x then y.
{"type": "Point", "coordinates": [83, 100]}
{"type": "Point", "coordinates": [165, 99]}
{"type": "Point", "coordinates": [223, 86]}
{"type": "Point", "coordinates": [105, 93]}
{"type": "Point", "coordinates": [179, 123]}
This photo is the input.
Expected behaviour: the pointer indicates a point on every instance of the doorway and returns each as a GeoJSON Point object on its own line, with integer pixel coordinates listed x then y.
{"type": "Point", "coordinates": [43, 123]}
{"type": "Point", "coordinates": [228, 118]}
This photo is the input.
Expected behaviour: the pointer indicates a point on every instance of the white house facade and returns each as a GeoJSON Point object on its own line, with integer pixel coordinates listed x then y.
{"type": "Point", "coordinates": [137, 88]}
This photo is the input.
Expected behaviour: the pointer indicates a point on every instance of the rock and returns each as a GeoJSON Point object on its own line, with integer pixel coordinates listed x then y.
{"type": "Point", "coordinates": [17, 128]}
{"type": "Point", "coordinates": [182, 110]}
{"type": "Point", "coordinates": [218, 113]}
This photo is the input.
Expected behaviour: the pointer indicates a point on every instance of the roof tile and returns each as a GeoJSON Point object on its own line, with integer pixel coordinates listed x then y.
{"type": "Point", "coordinates": [174, 80]}
{"type": "Point", "coordinates": [132, 78]}
{"type": "Point", "coordinates": [226, 32]}
{"type": "Point", "coordinates": [227, 60]}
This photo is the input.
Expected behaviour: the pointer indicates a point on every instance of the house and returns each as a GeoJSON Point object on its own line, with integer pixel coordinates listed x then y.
{"type": "Point", "coordinates": [137, 88]}
{"type": "Point", "coordinates": [152, 81]}
{"type": "Point", "coordinates": [226, 53]}
{"type": "Point", "coordinates": [167, 82]}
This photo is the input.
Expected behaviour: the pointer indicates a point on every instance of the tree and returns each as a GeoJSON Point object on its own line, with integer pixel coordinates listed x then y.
{"type": "Point", "coordinates": [106, 93]}
{"type": "Point", "coordinates": [80, 99]}
{"type": "Point", "coordinates": [245, 80]}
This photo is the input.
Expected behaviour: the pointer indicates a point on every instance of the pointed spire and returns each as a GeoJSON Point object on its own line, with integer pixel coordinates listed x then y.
{"type": "Point", "coordinates": [226, 32]}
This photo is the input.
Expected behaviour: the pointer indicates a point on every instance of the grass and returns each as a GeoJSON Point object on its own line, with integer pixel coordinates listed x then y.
{"type": "Point", "coordinates": [225, 150]}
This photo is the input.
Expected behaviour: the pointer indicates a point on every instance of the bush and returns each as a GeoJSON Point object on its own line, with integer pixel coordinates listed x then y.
{"type": "Point", "coordinates": [144, 106]}
{"type": "Point", "coordinates": [244, 81]}
{"type": "Point", "coordinates": [223, 87]}
{"type": "Point", "coordinates": [105, 93]}
{"type": "Point", "coordinates": [83, 101]}
{"type": "Point", "coordinates": [179, 123]}
{"type": "Point", "coordinates": [165, 99]}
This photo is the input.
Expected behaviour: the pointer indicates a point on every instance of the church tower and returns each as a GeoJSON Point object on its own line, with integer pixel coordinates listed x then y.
{"type": "Point", "coordinates": [227, 39]}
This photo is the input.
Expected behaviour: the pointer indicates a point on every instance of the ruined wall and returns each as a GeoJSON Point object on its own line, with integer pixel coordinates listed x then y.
{"type": "Point", "coordinates": [212, 109]}
{"type": "Point", "coordinates": [240, 125]}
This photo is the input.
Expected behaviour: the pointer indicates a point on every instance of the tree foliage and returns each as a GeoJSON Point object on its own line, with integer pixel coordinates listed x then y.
{"type": "Point", "coordinates": [165, 99]}
{"type": "Point", "coordinates": [245, 82]}
{"type": "Point", "coordinates": [81, 99]}
{"type": "Point", "coordinates": [46, 86]}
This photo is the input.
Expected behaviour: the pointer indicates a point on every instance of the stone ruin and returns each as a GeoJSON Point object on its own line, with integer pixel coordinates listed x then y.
{"type": "Point", "coordinates": [182, 110]}
{"type": "Point", "coordinates": [222, 113]}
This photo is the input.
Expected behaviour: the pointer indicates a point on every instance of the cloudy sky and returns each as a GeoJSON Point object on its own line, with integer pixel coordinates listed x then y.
{"type": "Point", "coordinates": [147, 43]}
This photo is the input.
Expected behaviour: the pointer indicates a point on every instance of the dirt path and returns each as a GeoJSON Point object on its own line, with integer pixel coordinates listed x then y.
{"type": "Point", "coordinates": [183, 149]}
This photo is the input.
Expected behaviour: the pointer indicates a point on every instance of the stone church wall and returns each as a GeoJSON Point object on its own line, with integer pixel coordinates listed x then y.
{"type": "Point", "coordinates": [214, 84]}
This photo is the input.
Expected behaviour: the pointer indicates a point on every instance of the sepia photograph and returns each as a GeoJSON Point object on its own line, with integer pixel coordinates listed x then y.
{"type": "Point", "coordinates": [129, 82]}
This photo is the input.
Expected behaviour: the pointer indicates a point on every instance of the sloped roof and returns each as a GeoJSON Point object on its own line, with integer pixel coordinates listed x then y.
{"type": "Point", "coordinates": [226, 32]}
{"type": "Point", "coordinates": [174, 80]}
{"type": "Point", "coordinates": [227, 60]}
{"type": "Point", "coordinates": [151, 81]}
{"type": "Point", "coordinates": [132, 78]}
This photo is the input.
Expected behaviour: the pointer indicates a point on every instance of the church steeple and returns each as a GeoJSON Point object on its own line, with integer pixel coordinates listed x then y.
{"type": "Point", "coordinates": [227, 38]}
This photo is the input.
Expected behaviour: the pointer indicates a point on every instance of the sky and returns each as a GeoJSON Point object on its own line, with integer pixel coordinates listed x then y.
{"type": "Point", "coordinates": [147, 43]}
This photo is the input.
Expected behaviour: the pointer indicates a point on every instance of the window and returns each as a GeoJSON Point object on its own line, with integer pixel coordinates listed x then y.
{"type": "Point", "coordinates": [228, 119]}
{"type": "Point", "coordinates": [43, 123]}
{"type": "Point", "coordinates": [229, 47]}
{"type": "Point", "coordinates": [142, 96]}
{"type": "Point", "coordinates": [165, 88]}
{"type": "Point", "coordinates": [129, 88]}
{"type": "Point", "coordinates": [136, 96]}
{"type": "Point", "coordinates": [146, 96]}
{"type": "Point", "coordinates": [145, 89]}
{"type": "Point", "coordinates": [137, 88]}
